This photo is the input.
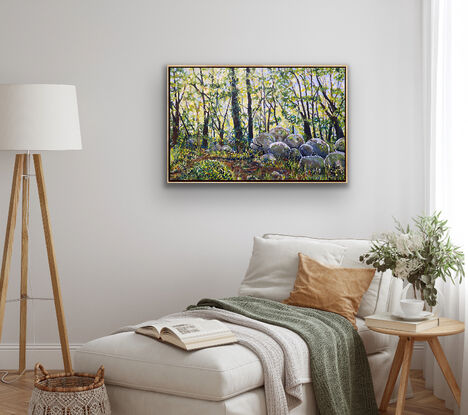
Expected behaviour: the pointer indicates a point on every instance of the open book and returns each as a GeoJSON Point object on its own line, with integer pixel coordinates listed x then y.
{"type": "Point", "coordinates": [190, 333]}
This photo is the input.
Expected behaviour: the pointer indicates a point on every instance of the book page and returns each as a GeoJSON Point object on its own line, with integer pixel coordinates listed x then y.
{"type": "Point", "coordinates": [154, 325]}
{"type": "Point", "coordinates": [159, 325]}
{"type": "Point", "coordinates": [197, 328]}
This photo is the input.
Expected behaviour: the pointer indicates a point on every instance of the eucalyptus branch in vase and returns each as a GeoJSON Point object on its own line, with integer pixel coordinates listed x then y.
{"type": "Point", "coordinates": [419, 254]}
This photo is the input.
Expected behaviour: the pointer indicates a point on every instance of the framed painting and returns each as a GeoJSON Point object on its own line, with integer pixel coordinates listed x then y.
{"type": "Point", "coordinates": [257, 124]}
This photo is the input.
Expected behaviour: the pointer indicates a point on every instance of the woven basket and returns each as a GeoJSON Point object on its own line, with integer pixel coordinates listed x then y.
{"type": "Point", "coordinates": [69, 394]}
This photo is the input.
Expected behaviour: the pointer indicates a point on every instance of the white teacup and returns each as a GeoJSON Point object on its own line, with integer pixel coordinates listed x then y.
{"type": "Point", "coordinates": [411, 307]}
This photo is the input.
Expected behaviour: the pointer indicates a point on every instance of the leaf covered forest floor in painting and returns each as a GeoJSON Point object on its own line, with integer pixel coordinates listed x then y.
{"type": "Point", "coordinates": [257, 124]}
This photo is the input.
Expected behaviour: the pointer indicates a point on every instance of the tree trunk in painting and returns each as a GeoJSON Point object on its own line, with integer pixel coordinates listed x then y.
{"type": "Point", "coordinates": [206, 119]}
{"type": "Point", "coordinates": [329, 133]}
{"type": "Point", "coordinates": [175, 124]}
{"type": "Point", "coordinates": [313, 123]}
{"type": "Point", "coordinates": [330, 111]}
{"type": "Point", "coordinates": [205, 102]}
{"type": "Point", "coordinates": [338, 129]}
{"type": "Point", "coordinates": [307, 131]}
{"type": "Point", "coordinates": [249, 104]}
{"type": "Point", "coordinates": [236, 111]}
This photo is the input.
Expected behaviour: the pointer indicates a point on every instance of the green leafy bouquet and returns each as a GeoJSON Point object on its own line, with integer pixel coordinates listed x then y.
{"type": "Point", "coordinates": [420, 255]}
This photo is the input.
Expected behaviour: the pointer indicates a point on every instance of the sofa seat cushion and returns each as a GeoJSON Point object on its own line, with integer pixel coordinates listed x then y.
{"type": "Point", "coordinates": [213, 374]}
{"type": "Point", "coordinates": [139, 362]}
{"type": "Point", "coordinates": [373, 342]}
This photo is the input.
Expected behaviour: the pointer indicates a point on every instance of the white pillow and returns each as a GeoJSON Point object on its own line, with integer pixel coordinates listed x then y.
{"type": "Point", "coordinates": [274, 263]}
{"type": "Point", "coordinates": [375, 299]}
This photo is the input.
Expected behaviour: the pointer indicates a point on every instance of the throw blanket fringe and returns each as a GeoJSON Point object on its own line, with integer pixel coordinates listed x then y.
{"type": "Point", "coordinates": [283, 354]}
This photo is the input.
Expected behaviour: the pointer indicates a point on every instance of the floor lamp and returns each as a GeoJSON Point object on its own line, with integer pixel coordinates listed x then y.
{"type": "Point", "coordinates": [34, 118]}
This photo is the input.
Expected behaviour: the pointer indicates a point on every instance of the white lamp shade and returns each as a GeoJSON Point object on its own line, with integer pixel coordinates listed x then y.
{"type": "Point", "coordinates": [39, 117]}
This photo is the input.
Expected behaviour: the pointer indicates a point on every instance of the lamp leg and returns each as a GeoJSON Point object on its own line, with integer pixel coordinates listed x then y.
{"type": "Point", "coordinates": [9, 235]}
{"type": "Point", "coordinates": [24, 264]}
{"type": "Point", "coordinates": [52, 263]}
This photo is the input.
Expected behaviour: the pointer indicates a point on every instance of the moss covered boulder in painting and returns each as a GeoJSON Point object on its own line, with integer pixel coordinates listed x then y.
{"type": "Point", "coordinates": [267, 158]}
{"type": "Point", "coordinates": [210, 170]}
{"type": "Point", "coordinates": [319, 147]}
{"type": "Point", "coordinates": [263, 141]}
{"type": "Point", "coordinates": [340, 145]}
{"type": "Point", "coordinates": [313, 164]}
{"type": "Point", "coordinates": [294, 140]}
{"type": "Point", "coordinates": [295, 154]}
{"type": "Point", "coordinates": [276, 175]}
{"type": "Point", "coordinates": [227, 149]}
{"type": "Point", "coordinates": [306, 150]}
{"type": "Point", "coordinates": [280, 150]}
{"type": "Point", "coordinates": [335, 165]}
{"type": "Point", "coordinates": [280, 133]}
{"type": "Point", "coordinates": [255, 147]}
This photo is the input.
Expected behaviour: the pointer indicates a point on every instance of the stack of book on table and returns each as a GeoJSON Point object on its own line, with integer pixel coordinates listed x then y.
{"type": "Point", "coordinates": [393, 322]}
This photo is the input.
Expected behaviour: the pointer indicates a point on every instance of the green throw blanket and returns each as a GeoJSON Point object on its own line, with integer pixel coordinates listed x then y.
{"type": "Point", "coordinates": [340, 372]}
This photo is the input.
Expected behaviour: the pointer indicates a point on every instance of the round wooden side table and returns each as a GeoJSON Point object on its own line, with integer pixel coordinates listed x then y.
{"type": "Point", "coordinates": [404, 351]}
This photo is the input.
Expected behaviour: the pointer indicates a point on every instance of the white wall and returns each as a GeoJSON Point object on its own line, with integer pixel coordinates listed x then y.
{"type": "Point", "coordinates": [129, 246]}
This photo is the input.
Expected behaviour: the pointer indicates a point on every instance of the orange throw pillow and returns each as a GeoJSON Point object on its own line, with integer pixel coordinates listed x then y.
{"type": "Point", "coordinates": [329, 288]}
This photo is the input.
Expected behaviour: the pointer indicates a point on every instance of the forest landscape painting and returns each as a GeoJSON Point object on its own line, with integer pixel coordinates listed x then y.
{"type": "Point", "coordinates": [257, 124]}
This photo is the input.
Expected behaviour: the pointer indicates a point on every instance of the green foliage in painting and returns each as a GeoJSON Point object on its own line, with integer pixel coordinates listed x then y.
{"type": "Point", "coordinates": [210, 170]}
{"type": "Point", "coordinates": [257, 123]}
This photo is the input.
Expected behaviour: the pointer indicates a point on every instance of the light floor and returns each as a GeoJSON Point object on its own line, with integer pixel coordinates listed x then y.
{"type": "Point", "coordinates": [14, 398]}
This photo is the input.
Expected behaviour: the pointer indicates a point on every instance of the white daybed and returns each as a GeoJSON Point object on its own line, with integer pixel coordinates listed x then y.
{"type": "Point", "coordinates": [146, 377]}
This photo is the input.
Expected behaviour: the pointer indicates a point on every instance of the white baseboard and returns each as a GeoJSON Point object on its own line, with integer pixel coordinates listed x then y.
{"type": "Point", "coordinates": [417, 361]}
{"type": "Point", "coordinates": [50, 355]}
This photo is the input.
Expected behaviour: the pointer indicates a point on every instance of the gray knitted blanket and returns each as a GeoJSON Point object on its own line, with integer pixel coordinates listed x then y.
{"type": "Point", "coordinates": [340, 372]}
{"type": "Point", "coordinates": [283, 354]}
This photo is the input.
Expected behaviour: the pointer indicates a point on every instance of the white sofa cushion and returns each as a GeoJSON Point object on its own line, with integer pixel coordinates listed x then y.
{"type": "Point", "coordinates": [375, 299]}
{"type": "Point", "coordinates": [273, 266]}
{"type": "Point", "coordinates": [139, 362]}
{"type": "Point", "coordinates": [213, 374]}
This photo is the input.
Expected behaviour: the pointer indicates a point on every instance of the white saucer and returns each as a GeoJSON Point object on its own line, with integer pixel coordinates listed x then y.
{"type": "Point", "coordinates": [420, 317]}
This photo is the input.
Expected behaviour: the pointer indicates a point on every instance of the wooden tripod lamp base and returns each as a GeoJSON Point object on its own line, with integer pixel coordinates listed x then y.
{"type": "Point", "coordinates": [21, 179]}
